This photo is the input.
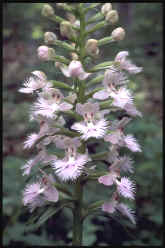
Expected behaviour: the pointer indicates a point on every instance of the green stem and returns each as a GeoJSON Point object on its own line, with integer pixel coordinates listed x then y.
{"type": "Point", "coordinates": [77, 215]}
{"type": "Point", "coordinates": [77, 211]}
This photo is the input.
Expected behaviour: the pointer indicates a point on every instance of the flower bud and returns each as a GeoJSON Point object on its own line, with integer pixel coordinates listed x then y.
{"type": "Point", "coordinates": [49, 38]}
{"type": "Point", "coordinates": [74, 56]}
{"type": "Point", "coordinates": [57, 64]}
{"type": "Point", "coordinates": [112, 16]}
{"type": "Point", "coordinates": [75, 68]}
{"type": "Point", "coordinates": [118, 34]}
{"type": "Point", "coordinates": [106, 8]}
{"type": "Point", "coordinates": [47, 10]}
{"type": "Point", "coordinates": [92, 47]}
{"type": "Point", "coordinates": [60, 5]}
{"type": "Point", "coordinates": [40, 74]}
{"type": "Point", "coordinates": [66, 29]}
{"type": "Point", "coordinates": [45, 53]}
{"type": "Point", "coordinates": [71, 18]}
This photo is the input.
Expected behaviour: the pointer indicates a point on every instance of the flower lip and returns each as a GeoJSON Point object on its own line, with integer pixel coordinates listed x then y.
{"type": "Point", "coordinates": [70, 168]}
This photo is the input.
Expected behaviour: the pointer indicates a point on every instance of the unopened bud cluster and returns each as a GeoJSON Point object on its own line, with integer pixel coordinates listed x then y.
{"type": "Point", "coordinates": [91, 110]}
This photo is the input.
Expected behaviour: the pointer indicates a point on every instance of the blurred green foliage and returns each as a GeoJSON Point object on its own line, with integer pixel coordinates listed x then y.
{"type": "Point", "coordinates": [22, 32]}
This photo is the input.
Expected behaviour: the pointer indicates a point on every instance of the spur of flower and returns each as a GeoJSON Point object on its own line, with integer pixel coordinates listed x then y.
{"type": "Point", "coordinates": [39, 193]}
{"type": "Point", "coordinates": [72, 165]}
{"type": "Point", "coordinates": [50, 102]}
{"type": "Point", "coordinates": [74, 69]}
{"type": "Point", "coordinates": [93, 125]}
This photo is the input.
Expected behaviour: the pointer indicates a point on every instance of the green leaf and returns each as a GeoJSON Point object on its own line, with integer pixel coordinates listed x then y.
{"type": "Point", "coordinates": [96, 27]}
{"type": "Point", "coordinates": [92, 6]}
{"type": "Point", "coordinates": [48, 213]}
{"type": "Point", "coordinates": [101, 66]}
{"type": "Point", "coordinates": [61, 85]}
{"type": "Point", "coordinates": [95, 18]}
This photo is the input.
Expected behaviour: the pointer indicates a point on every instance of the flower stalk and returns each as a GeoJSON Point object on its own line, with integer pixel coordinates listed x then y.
{"type": "Point", "coordinates": [77, 212]}
{"type": "Point", "coordinates": [77, 215]}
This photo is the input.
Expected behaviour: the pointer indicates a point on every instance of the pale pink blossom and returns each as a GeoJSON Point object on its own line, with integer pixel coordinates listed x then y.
{"type": "Point", "coordinates": [121, 97]}
{"type": "Point", "coordinates": [108, 179]}
{"type": "Point", "coordinates": [131, 143]}
{"type": "Point", "coordinates": [36, 194]}
{"type": "Point", "coordinates": [45, 53]}
{"type": "Point", "coordinates": [112, 78]}
{"type": "Point", "coordinates": [124, 164]}
{"type": "Point", "coordinates": [31, 192]}
{"type": "Point", "coordinates": [116, 137]}
{"type": "Point", "coordinates": [128, 212]}
{"type": "Point", "coordinates": [113, 205]}
{"type": "Point", "coordinates": [96, 129]}
{"type": "Point", "coordinates": [47, 127]}
{"type": "Point", "coordinates": [30, 141]}
{"type": "Point", "coordinates": [109, 207]}
{"type": "Point", "coordinates": [113, 153]}
{"type": "Point", "coordinates": [49, 103]}
{"type": "Point", "coordinates": [126, 187]}
{"type": "Point", "coordinates": [101, 94]}
{"type": "Point", "coordinates": [131, 110]}
{"type": "Point", "coordinates": [50, 192]}
{"type": "Point", "coordinates": [91, 126]}
{"type": "Point", "coordinates": [75, 69]}
{"type": "Point", "coordinates": [33, 83]}
{"type": "Point", "coordinates": [42, 156]}
{"type": "Point", "coordinates": [126, 64]}
{"type": "Point", "coordinates": [71, 167]}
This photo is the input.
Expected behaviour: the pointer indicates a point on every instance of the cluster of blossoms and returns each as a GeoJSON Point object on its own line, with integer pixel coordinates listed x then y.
{"type": "Point", "coordinates": [89, 108]}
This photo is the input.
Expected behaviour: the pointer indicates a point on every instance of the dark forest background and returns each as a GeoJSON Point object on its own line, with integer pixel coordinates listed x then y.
{"type": "Point", "coordinates": [23, 29]}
